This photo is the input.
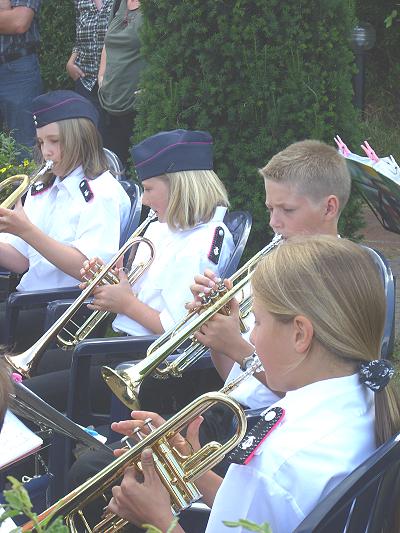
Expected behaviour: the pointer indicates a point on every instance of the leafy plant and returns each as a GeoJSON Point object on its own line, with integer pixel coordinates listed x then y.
{"type": "Point", "coordinates": [19, 503]}
{"type": "Point", "coordinates": [9, 161]}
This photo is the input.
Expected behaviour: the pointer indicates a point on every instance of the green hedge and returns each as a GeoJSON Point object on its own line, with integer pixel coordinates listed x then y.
{"type": "Point", "coordinates": [57, 30]}
{"type": "Point", "coordinates": [258, 74]}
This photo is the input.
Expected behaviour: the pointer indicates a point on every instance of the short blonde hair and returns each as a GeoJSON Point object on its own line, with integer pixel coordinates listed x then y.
{"type": "Point", "coordinates": [314, 168]}
{"type": "Point", "coordinates": [81, 144]}
{"type": "Point", "coordinates": [336, 285]}
{"type": "Point", "coordinates": [193, 197]}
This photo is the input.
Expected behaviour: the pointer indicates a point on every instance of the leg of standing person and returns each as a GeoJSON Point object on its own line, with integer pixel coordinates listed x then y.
{"type": "Point", "coordinates": [90, 95]}
{"type": "Point", "coordinates": [116, 131]}
{"type": "Point", "coordinates": [20, 83]}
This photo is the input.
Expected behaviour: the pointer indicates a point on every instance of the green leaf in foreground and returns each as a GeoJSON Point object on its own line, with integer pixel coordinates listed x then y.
{"type": "Point", "coordinates": [250, 526]}
{"type": "Point", "coordinates": [18, 503]}
{"type": "Point", "coordinates": [152, 529]}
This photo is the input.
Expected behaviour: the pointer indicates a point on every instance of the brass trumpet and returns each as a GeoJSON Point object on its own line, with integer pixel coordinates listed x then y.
{"type": "Point", "coordinates": [25, 362]}
{"type": "Point", "coordinates": [26, 182]}
{"type": "Point", "coordinates": [177, 472]}
{"type": "Point", "coordinates": [126, 383]}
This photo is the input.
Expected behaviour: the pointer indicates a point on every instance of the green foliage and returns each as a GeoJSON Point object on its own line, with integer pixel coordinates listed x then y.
{"type": "Point", "coordinates": [390, 18]}
{"type": "Point", "coordinates": [257, 74]}
{"type": "Point", "coordinates": [9, 162]}
{"type": "Point", "coordinates": [18, 503]}
{"type": "Point", "coordinates": [57, 32]}
{"type": "Point", "coordinates": [382, 64]}
{"type": "Point", "coordinates": [152, 529]}
{"type": "Point", "coordinates": [250, 526]}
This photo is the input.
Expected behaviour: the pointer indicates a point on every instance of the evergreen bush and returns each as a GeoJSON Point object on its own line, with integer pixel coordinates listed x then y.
{"type": "Point", "coordinates": [57, 37]}
{"type": "Point", "coordinates": [257, 74]}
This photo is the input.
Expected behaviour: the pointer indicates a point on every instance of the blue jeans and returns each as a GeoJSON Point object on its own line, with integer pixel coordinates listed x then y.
{"type": "Point", "coordinates": [20, 83]}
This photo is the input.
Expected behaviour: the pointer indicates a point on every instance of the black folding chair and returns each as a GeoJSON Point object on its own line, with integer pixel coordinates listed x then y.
{"type": "Point", "coordinates": [367, 501]}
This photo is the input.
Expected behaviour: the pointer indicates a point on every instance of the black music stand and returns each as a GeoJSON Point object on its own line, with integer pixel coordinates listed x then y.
{"type": "Point", "coordinates": [381, 193]}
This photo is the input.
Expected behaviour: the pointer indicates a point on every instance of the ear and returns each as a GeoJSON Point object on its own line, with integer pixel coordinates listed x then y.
{"type": "Point", "coordinates": [332, 207]}
{"type": "Point", "coordinates": [303, 333]}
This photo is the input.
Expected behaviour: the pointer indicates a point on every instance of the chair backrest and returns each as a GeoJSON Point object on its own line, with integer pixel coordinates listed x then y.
{"type": "Point", "coordinates": [390, 292]}
{"type": "Point", "coordinates": [239, 224]}
{"type": "Point", "coordinates": [366, 501]}
{"type": "Point", "coordinates": [115, 164]}
{"type": "Point", "coordinates": [135, 195]}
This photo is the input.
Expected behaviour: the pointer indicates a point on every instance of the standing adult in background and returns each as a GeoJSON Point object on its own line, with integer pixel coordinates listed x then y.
{"type": "Point", "coordinates": [20, 80]}
{"type": "Point", "coordinates": [118, 78]}
{"type": "Point", "coordinates": [91, 25]}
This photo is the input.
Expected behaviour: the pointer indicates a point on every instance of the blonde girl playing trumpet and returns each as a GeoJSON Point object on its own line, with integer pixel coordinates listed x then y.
{"type": "Point", "coordinates": [319, 314]}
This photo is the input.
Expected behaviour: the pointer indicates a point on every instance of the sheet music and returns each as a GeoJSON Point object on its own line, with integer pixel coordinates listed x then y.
{"type": "Point", "coordinates": [16, 440]}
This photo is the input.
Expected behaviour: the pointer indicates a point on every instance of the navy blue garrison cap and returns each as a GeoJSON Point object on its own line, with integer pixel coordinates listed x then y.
{"type": "Point", "coordinates": [61, 105]}
{"type": "Point", "coordinates": [173, 151]}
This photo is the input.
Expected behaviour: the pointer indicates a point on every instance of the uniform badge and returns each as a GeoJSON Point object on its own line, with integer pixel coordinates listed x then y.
{"type": "Point", "coordinates": [216, 245]}
{"type": "Point", "coordinates": [40, 187]}
{"type": "Point", "coordinates": [86, 191]}
{"type": "Point", "coordinates": [244, 452]}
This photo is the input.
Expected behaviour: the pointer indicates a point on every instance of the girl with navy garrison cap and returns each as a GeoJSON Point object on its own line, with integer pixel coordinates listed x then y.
{"type": "Point", "coordinates": [176, 170]}
{"type": "Point", "coordinates": [77, 211]}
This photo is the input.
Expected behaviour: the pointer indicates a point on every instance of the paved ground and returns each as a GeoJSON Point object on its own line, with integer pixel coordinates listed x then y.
{"type": "Point", "coordinates": [389, 244]}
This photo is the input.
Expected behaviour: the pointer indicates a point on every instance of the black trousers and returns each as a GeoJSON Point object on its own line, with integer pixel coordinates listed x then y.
{"type": "Point", "coordinates": [116, 131]}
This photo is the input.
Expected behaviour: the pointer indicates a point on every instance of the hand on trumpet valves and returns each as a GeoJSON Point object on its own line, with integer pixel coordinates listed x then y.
{"type": "Point", "coordinates": [221, 333]}
{"type": "Point", "coordinates": [142, 498]}
{"type": "Point", "coordinates": [203, 286]}
{"type": "Point", "coordinates": [89, 270]}
{"type": "Point", "coordinates": [146, 420]}
{"type": "Point", "coordinates": [15, 221]}
{"type": "Point", "coordinates": [115, 298]}
{"type": "Point", "coordinates": [92, 267]}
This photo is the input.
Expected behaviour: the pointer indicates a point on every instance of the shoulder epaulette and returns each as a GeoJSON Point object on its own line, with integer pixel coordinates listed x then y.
{"type": "Point", "coordinates": [85, 189]}
{"type": "Point", "coordinates": [40, 187]}
{"type": "Point", "coordinates": [268, 421]}
{"type": "Point", "coordinates": [216, 245]}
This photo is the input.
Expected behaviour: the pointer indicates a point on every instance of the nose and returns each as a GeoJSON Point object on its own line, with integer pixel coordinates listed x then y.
{"type": "Point", "coordinates": [275, 222]}
{"type": "Point", "coordinates": [145, 200]}
{"type": "Point", "coordinates": [46, 151]}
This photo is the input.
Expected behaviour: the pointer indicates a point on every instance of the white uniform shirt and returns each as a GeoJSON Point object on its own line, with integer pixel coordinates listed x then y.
{"type": "Point", "coordinates": [327, 431]}
{"type": "Point", "coordinates": [251, 392]}
{"type": "Point", "coordinates": [60, 211]}
{"type": "Point", "coordinates": [179, 256]}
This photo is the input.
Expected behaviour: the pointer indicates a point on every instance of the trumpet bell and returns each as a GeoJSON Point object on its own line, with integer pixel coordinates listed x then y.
{"type": "Point", "coordinates": [123, 386]}
{"type": "Point", "coordinates": [24, 181]}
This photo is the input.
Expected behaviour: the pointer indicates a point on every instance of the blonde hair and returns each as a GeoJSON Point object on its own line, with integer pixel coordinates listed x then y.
{"type": "Point", "coordinates": [335, 284]}
{"type": "Point", "coordinates": [314, 168]}
{"type": "Point", "coordinates": [193, 197]}
{"type": "Point", "coordinates": [80, 144]}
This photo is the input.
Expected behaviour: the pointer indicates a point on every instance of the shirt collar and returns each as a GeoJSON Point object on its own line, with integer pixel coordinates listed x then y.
{"type": "Point", "coordinates": [307, 398]}
{"type": "Point", "coordinates": [71, 182]}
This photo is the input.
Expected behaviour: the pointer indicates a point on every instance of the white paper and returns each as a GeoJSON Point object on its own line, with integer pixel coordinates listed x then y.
{"type": "Point", "coordinates": [16, 440]}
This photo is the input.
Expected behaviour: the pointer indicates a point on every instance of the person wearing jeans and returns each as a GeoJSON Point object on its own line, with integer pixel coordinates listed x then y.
{"type": "Point", "coordinates": [20, 80]}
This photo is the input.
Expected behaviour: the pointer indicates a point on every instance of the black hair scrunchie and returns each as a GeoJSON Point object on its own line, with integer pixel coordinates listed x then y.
{"type": "Point", "coordinates": [376, 374]}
